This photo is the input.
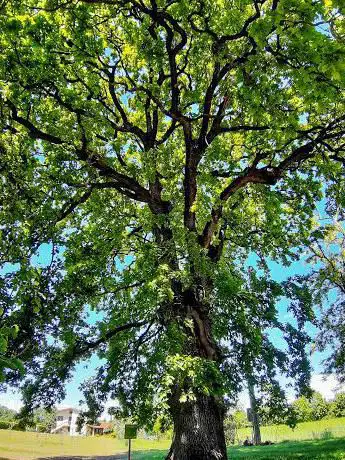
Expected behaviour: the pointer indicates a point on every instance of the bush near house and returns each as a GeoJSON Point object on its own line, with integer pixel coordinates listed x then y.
{"type": "Point", "coordinates": [11, 425]}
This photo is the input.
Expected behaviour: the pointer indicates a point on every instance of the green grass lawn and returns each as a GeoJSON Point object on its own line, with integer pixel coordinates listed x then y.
{"type": "Point", "coordinates": [302, 450]}
{"type": "Point", "coordinates": [327, 441]}
{"type": "Point", "coordinates": [326, 428]}
{"type": "Point", "coordinates": [331, 449]}
{"type": "Point", "coordinates": [27, 446]}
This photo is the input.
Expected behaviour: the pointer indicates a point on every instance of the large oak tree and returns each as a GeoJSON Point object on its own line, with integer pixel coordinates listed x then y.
{"type": "Point", "coordinates": [154, 145]}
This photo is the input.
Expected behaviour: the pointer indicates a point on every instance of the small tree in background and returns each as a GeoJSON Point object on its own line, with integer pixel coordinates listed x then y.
{"type": "Point", "coordinates": [44, 420]}
{"type": "Point", "coordinates": [7, 414]}
{"type": "Point", "coordinates": [233, 422]}
{"type": "Point", "coordinates": [326, 282]}
{"type": "Point", "coordinates": [303, 409]}
{"type": "Point", "coordinates": [339, 405]}
{"type": "Point", "coordinates": [319, 406]}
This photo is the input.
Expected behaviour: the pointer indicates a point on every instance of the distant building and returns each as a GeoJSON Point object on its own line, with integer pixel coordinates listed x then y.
{"type": "Point", "coordinates": [66, 422]}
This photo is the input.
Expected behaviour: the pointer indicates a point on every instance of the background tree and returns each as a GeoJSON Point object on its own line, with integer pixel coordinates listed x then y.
{"type": "Point", "coordinates": [233, 422]}
{"type": "Point", "coordinates": [339, 405]}
{"type": "Point", "coordinates": [44, 420]}
{"type": "Point", "coordinates": [320, 407]}
{"type": "Point", "coordinates": [313, 408]}
{"type": "Point", "coordinates": [303, 409]}
{"type": "Point", "coordinates": [250, 324]}
{"type": "Point", "coordinates": [254, 414]}
{"type": "Point", "coordinates": [327, 283]}
{"type": "Point", "coordinates": [7, 414]}
{"type": "Point", "coordinates": [152, 146]}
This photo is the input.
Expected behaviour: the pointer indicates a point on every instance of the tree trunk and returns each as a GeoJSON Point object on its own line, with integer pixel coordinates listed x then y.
{"type": "Point", "coordinates": [256, 421]}
{"type": "Point", "coordinates": [198, 430]}
{"type": "Point", "coordinates": [198, 423]}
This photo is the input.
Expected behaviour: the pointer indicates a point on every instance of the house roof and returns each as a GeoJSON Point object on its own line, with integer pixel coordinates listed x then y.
{"type": "Point", "coordinates": [63, 409]}
{"type": "Point", "coordinates": [106, 425]}
{"type": "Point", "coordinates": [103, 425]}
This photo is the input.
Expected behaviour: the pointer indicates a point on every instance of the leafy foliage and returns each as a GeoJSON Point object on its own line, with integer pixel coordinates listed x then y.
{"type": "Point", "coordinates": [44, 420]}
{"type": "Point", "coordinates": [7, 414]}
{"type": "Point", "coordinates": [8, 362]}
{"type": "Point", "coordinates": [339, 405]}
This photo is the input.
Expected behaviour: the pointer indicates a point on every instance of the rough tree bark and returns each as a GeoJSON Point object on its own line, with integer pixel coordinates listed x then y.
{"type": "Point", "coordinates": [198, 430]}
{"type": "Point", "coordinates": [198, 424]}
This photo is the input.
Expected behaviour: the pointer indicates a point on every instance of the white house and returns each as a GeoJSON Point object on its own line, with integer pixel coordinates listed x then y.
{"type": "Point", "coordinates": [66, 422]}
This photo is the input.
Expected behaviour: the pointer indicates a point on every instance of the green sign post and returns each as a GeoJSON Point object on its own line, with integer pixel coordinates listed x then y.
{"type": "Point", "coordinates": [130, 433]}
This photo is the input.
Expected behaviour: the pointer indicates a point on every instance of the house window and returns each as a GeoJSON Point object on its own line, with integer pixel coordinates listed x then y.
{"type": "Point", "coordinates": [69, 419]}
{"type": "Point", "coordinates": [59, 418]}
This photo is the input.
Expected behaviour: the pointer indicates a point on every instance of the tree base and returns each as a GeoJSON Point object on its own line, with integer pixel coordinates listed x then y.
{"type": "Point", "coordinates": [198, 431]}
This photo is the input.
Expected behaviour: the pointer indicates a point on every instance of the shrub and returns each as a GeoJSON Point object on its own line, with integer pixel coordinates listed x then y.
{"type": "Point", "coordinates": [326, 434]}
{"type": "Point", "coordinates": [41, 428]}
{"type": "Point", "coordinates": [303, 409]}
{"type": "Point", "coordinates": [319, 406]}
{"type": "Point", "coordinates": [230, 430]}
{"type": "Point", "coordinates": [339, 405]}
{"type": "Point", "coordinates": [5, 424]}
{"type": "Point", "coordinates": [18, 427]}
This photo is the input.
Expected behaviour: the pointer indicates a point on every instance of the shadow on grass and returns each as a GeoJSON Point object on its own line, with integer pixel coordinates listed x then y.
{"type": "Point", "coordinates": [330, 449]}
{"type": "Point", "coordinates": [153, 454]}
{"type": "Point", "coordinates": [136, 455]}
{"type": "Point", "coordinates": [302, 450]}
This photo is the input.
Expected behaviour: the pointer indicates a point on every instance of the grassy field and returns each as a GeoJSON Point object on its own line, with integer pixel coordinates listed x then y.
{"type": "Point", "coordinates": [322, 429]}
{"type": "Point", "coordinates": [327, 441]}
{"type": "Point", "coordinates": [26, 446]}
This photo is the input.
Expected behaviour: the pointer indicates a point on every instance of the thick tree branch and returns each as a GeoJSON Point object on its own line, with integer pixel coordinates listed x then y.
{"type": "Point", "coordinates": [33, 131]}
{"type": "Point", "coordinates": [84, 347]}
{"type": "Point", "coordinates": [254, 175]}
{"type": "Point", "coordinates": [69, 207]}
{"type": "Point", "coordinates": [121, 182]}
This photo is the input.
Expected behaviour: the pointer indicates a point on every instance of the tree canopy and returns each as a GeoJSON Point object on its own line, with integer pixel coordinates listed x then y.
{"type": "Point", "coordinates": [152, 146]}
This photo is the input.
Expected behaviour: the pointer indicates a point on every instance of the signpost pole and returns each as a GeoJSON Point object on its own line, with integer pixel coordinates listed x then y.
{"type": "Point", "coordinates": [130, 433]}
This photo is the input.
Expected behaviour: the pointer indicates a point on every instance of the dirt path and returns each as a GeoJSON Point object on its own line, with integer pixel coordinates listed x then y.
{"type": "Point", "coordinates": [107, 457]}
